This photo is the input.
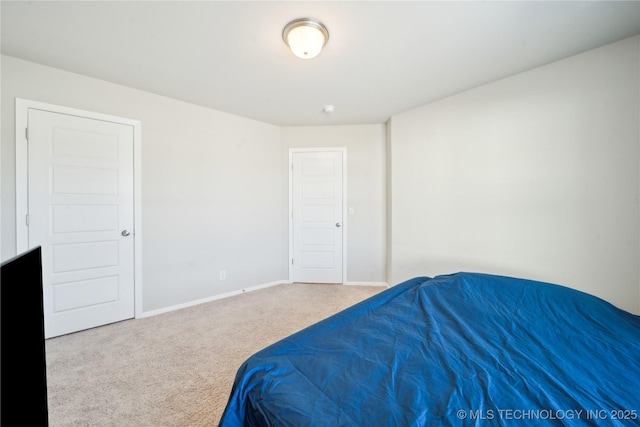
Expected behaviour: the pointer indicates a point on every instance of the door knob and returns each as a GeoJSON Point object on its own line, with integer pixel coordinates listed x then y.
{"type": "Point", "coordinates": [125, 233]}
{"type": "Point", "coordinates": [338, 225]}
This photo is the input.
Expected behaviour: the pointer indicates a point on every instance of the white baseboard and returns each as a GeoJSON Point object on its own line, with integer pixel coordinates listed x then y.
{"type": "Point", "coordinates": [385, 284]}
{"type": "Point", "coordinates": [209, 299]}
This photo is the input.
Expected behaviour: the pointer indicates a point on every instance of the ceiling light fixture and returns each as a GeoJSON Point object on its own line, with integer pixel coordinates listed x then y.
{"type": "Point", "coordinates": [305, 37]}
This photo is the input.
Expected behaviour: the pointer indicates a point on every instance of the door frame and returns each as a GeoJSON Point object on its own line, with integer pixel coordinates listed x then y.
{"type": "Point", "coordinates": [342, 150]}
{"type": "Point", "coordinates": [22, 107]}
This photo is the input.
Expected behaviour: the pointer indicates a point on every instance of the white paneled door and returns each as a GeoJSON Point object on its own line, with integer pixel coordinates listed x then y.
{"type": "Point", "coordinates": [81, 211]}
{"type": "Point", "coordinates": [317, 216]}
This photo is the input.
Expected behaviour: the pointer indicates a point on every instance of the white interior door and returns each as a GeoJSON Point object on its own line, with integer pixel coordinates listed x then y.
{"type": "Point", "coordinates": [317, 217]}
{"type": "Point", "coordinates": [81, 211]}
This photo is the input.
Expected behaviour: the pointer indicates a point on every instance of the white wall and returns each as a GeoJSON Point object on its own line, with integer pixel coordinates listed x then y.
{"type": "Point", "coordinates": [366, 191]}
{"type": "Point", "coordinates": [211, 185]}
{"type": "Point", "coordinates": [214, 186]}
{"type": "Point", "coordinates": [535, 176]}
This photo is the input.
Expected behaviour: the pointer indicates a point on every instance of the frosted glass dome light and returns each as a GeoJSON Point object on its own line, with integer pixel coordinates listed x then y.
{"type": "Point", "coordinates": [305, 37]}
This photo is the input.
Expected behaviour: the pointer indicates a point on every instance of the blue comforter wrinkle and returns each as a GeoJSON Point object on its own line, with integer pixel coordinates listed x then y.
{"type": "Point", "coordinates": [465, 349]}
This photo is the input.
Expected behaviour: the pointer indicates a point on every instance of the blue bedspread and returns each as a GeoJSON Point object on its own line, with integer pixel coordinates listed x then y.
{"type": "Point", "coordinates": [458, 350]}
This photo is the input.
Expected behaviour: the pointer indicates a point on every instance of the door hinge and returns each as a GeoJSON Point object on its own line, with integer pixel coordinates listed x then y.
{"type": "Point", "coordinates": [26, 219]}
{"type": "Point", "coordinates": [291, 261]}
{"type": "Point", "coordinates": [26, 133]}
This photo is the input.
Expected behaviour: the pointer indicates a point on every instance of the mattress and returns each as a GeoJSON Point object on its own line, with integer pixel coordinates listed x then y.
{"type": "Point", "coordinates": [460, 349]}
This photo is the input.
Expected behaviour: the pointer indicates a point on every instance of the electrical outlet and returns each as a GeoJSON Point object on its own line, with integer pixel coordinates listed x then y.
{"type": "Point", "coordinates": [223, 274]}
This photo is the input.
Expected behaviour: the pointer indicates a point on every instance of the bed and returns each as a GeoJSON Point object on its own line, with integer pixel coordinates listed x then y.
{"type": "Point", "coordinates": [465, 349]}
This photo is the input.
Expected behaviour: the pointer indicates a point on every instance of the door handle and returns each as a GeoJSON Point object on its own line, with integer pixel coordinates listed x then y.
{"type": "Point", "coordinates": [338, 225]}
{"type": "Point", "coordinates": [125, 233]}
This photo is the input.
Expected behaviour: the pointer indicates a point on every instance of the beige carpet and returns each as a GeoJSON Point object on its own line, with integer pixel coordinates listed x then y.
{"type": "Point", "coordinates": [176, 369]}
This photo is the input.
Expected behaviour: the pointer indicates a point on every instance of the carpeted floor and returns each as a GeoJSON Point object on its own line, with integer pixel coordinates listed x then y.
{"type": "Point", "coordinates": [176, 369]}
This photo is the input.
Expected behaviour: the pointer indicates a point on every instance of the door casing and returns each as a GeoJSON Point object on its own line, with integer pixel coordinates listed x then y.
{"type": "Point", "coordinates": [342, 150]}
{"type": "Point", "coordinates": [22, 107]}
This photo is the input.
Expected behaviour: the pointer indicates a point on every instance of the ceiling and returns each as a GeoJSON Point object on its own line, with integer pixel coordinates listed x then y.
{"type": "Point", "coordinates": [382, 58]}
